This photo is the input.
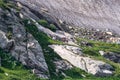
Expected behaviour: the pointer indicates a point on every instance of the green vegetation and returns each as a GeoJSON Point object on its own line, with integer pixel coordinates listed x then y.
{"type": "Point", "coordinates": [9, 33]}
{"type": "Point", "coordinates": [44, 41]}
{"type": "Point", "coordinates": [13, 70]}
{"type": "Point", "coordinates": [93, 52]}
{"type": "Point", "coordinates": [44, 23]}
{"type": "Point", "coordinates": [50, 56]}
{"type": "Point", "coordinates": [97, 46]}
{"type": "Point", "coordinates": [52, 27]}
{"type": "Point", "coordinates": [4, 4]}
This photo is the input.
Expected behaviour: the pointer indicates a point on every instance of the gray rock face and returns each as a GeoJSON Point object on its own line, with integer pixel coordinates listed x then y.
{"type": "Point", "coordinates": [111, 56]}
{"type": "Point", "coordinates": [4, 42]}
{"type": "Point", "coordinates": [25, 49]}
{"type": "Point", "coordinates": [58, 35]}
{"type": "Point", "coordinates": [92, 66]}
{"type": "Point", "coordinates": [83, 13]}
{"type": "Point", "coordinates": [62, 65]}
{"type": "Point", "coordinates": [30, 54]}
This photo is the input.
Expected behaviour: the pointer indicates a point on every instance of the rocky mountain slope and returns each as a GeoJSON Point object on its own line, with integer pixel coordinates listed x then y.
{"type": "Point", "coordinates": [102, 14]}
{"type": "Point", "coordinates": [35, 46]}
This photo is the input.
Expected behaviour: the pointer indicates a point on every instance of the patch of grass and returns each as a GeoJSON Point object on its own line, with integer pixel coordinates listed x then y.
{"type": "Point", "coordinates": [74, 73]}
{"type": "Point", "coordinates": [98, 46]}
{"type": "Point", "coordinates": [77, 74]}
{"type": "Point", "coordinates": [52, 27]}
{"type": "Point", "coordinates": [50, 55]}
{"type": "Point", "coordinates": [45, 24]}
{"type": "Point", "coordinates": [44, 41]}
{"type": "Point", "coordinates": [4, 4]}
{"type": "Point", "coordinates": [13, 70]}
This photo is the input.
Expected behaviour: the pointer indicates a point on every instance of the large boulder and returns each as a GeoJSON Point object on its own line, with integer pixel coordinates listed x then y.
{"type": "Point", "coordinates": [87, 64]}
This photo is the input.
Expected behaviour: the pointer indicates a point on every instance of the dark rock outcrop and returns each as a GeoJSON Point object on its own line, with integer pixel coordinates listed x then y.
{"type": "Point", "coordinates": [111, 56]}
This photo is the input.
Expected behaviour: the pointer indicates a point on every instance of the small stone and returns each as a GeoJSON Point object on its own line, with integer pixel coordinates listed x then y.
{"type": "Point", "coordinates": [108, 72]}
{"type": "Point", "coordinates": [109, 33]}
{"type": "Point", "coordinates": [61, 22]}
{"type": "Point", "coordinates": [6, 74]}
{"type": "Point", "coordinates": [21, 15]}
{"type": "Point", "coordinates": [102, 53]}
{"type": "Point", "coordinates": [31, 44]}
{"type": "Point", "coordinates": [83, 75]}
{"type": "Point", "coordinates": [19, 5]}
{"type": "Point", "coordinates": [70, 27]}
{"type": "Point", "coordinates": [18, 35]}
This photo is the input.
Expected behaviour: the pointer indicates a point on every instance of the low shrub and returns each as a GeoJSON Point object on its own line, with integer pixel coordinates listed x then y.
{"type": "Point", "coordinates": [52, 27]}
{"type": "Point", "coordinates": [43, 23]}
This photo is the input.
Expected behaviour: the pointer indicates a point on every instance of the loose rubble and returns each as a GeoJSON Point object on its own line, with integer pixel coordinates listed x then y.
{"type": "Point", "coordinates": [96, 34]}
